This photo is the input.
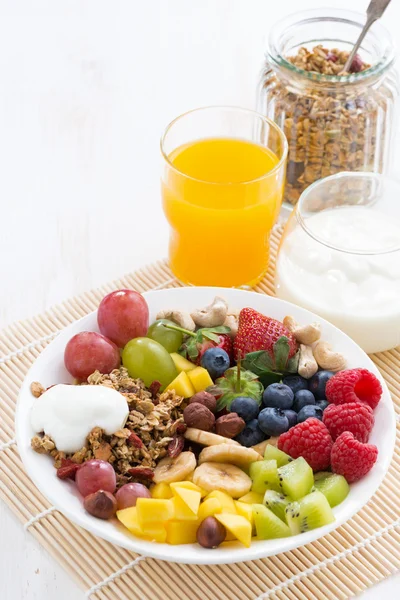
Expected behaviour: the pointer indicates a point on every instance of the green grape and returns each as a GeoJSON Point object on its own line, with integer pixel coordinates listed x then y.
{"type": "Point", "coordinates": [169, 338]}
{"type": "Point", "coordinates": [148, 360]}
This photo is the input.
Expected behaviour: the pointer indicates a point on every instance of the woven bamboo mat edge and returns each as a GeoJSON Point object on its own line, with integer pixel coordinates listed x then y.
{"type": "Point", "coordinates": [352, 558]}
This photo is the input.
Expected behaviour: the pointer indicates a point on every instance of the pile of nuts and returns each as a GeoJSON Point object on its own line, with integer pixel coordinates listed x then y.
{"type": "Point", "coordinates": [200, 414]}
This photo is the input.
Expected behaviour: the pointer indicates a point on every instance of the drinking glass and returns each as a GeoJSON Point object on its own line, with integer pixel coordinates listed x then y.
{"type": "Point", "coordinates": [222, 189]}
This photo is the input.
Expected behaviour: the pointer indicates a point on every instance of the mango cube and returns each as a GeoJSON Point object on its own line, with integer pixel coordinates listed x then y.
{"type": "Point", "coordinates": [182, 512]}
{"type": "Point", "coordinates": [182, 363]}
{"type": "Point", "coordinates": [156, 532]}
{"type": "Point", "coordinates": [153, 510]}
{"type": "Point", "coordinates": [182, 386]}
{"type": "Point", "coordinates": [181, 532]}
{"type": "Point", "coordinates": [225, 500]}
{"type": "Point", "coordinates": [246, 510]}
{"type": "Point", "coordinates": [189, 485]}
{"type": "Point", "coordinates": [161, 490]}
{"type": "Point", "coordinates": [237, 525]}
{"type": "Point", "coordinates": [200, 379]}
{"type": "Point", "coordinates": [190, 497]}
{"type": "Point", "coordinates": [209, 508]}
{"type": "Point", "coordinates": [252, 498]}
{"type": "Point", "coordinates": [128, 517]}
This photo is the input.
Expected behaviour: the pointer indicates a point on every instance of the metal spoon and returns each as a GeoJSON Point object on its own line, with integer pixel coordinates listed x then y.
{"type": "Point", "coordinates": [375, 10]}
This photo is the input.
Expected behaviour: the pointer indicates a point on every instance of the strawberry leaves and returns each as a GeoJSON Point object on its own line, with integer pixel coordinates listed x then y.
{"type": "Point", "coordinates": [230, 387]}
{"type": "Point", "coordinates": [191, 347]}
{"type": "Point", "coordinates": [270, 367]}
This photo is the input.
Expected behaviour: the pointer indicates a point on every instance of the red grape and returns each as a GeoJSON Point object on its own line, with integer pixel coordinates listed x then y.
{"type": "Point", "coordinates": [129, 493]}
{"type": "Point", "coordinates": [87, 352]}
{"type": "Point", "coordinates": [122, 316]}
{"type": "Point", "coordinates": [95, 475]}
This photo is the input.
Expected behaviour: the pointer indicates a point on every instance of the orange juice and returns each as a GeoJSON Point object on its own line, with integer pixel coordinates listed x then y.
{"type": "Point", "coordinates": [221, 197]}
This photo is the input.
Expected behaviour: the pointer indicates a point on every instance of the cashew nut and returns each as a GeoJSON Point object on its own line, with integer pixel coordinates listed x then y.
{"type": "Point", "coordinates": [183, 319]}
{"type": "Point", "coordinates": [212, 315]}
{"type": "Point", "coordinates": [232, 320]}
{"type": "Point", "coordinates": [304, 334]}
{"type": "Point", "coordinates": [327, 359]}
{"type": "Point", "coordinates": [307, 364]}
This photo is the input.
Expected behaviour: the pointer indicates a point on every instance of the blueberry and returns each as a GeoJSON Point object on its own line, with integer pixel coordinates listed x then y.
{"type": "Point", "coordinates": [251, 434]}
{"type": "Point", "coordinates": [216, 361]}
{"type": "Point", "coordinates": [317, 383]}
{"type": "Point", "coordinates": [303, 398]}
{"type": "Point", "coordinates": [278, 395]}
{"type": "Point", "coordinates": [247, 408]}
{"type": "Point", "coordinates": [309, 411]}
{"type": "Point", "coordinates": [322, 404]}
{"type": "Point", "coordinates": [273, 421]}
{"type": "Point", "coordinates": [291, 417]}
{"type": "Point", "coordinates": [295, 382]}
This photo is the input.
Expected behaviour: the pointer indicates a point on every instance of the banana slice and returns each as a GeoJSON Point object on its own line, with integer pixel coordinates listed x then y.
{"type": "Point", "coordinates": [224, 477]}
{"type": "Point", "coordinates": [260, 448]}
{"type": "Point", "coordinates": [205, 438]}
{"type": "Point", "coordinates": [169, 469]}
{"type": "Point", "coordinates": [229, 453]}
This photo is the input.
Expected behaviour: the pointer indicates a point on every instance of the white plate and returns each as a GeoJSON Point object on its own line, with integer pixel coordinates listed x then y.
{"type": "Point", "coordinates": [49, 369]}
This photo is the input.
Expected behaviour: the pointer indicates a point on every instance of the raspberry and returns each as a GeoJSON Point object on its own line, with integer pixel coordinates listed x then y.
{"type": "Point", "coordinates": [355, 417]}
{"type": "Point", "coordinates": [309, 439]}
{"type": "Point", "coordinates": [351, 458]}
{"type": "Point", "coordinates": [354, 385]}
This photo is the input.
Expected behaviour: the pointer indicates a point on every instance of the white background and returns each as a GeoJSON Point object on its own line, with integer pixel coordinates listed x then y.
{"type": "Point", "coordinates": [86, 88]}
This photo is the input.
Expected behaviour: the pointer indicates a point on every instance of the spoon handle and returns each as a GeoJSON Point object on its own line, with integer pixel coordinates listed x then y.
{"type": "Point", "coordinates": [375, 10]}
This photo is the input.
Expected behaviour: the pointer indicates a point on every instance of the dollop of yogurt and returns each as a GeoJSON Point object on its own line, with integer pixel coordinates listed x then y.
{"type": "Point", "coordinates": [67, 413]}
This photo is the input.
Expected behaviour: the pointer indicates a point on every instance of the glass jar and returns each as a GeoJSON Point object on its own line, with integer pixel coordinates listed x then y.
{"type": "Point", "coordinates": [333, 123]}
{"type": "Point", "coordinates": [340, 256]}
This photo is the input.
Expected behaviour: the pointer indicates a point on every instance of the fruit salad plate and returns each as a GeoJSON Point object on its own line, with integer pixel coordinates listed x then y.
{"type": "Point", "coordinates": [49, 369]}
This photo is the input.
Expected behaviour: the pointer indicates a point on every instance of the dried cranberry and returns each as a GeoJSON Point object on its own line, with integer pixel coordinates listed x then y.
{"type": "Point", "coordinates": [176, 446]}
{"type": "Point", "coordinates": [181, 428]}
{"type": "Point", "coordinates": [68, 469]}
{"type": "Point", "coordinates": [332, 57]}
{"type": "Point", "coordinates": [135, 440]}
{"type": "Point", "coordinates": [357, 64]}
{"type": "Point", "coordinates": [142, 473]}
{"type": "Point", "coordinates": [154, 388]}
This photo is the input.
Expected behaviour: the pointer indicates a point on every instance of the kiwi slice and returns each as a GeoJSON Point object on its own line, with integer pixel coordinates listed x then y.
{"type": "Point", "coordinates": [333, 486]}
{"type": "Point", "coordinates": [268, 525]}
{"type": "Point", "coordinates": [277, 502]}
{"type": "Point", "coordinates": [273, 453]}
{"type": "Point", "coordinates": [264, 474]}
{"type": "Point", "coordinates": [296, 478]}
{"type": "Point", "coordinates": [310, 512]}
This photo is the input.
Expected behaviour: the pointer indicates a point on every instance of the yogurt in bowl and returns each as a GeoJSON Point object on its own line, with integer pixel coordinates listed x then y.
{"type": "Point", "coordinates": [341, 259]}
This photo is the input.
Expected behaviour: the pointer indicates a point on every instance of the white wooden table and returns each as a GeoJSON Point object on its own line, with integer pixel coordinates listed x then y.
{"type": "Point", "coordinates": [86, 89]}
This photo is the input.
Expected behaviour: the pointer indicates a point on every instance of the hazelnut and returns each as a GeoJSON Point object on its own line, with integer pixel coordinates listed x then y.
{"type": "Point", "coordinates": [198, 416]}
{"type": "Point", "coordinates": [211, 533]}
{"type": "Point", "coordinates": [229, 425]}
{"type": "Point", "coordinates": [101, 504]}
{"type": "Point", "coordinates": [205, 398]}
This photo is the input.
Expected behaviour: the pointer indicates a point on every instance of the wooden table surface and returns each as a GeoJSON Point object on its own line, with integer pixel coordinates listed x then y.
{"type": "Point", "coordinates": [87, 87]}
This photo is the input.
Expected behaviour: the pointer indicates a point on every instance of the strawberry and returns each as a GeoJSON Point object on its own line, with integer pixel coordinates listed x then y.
{"type": "Point", "coordinates": [203, 339]}
{"type": "Point", "coordinates": [259, 332]}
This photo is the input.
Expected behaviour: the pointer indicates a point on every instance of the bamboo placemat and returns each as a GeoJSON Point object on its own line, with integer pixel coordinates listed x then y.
{"type": "Point", "coordinates": [354, 557]}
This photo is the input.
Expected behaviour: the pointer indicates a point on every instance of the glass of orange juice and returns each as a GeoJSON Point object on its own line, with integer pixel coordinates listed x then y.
{"type": "Point", "coordinates": [222, 188]}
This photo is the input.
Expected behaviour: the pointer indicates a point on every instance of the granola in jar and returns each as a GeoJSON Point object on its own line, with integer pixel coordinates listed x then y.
{"type": "Point", "coordinates": [334, 121]}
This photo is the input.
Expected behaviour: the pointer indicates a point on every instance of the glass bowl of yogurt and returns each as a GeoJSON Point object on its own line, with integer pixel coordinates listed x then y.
{"type": "Point", "coordinates": [340, 256]}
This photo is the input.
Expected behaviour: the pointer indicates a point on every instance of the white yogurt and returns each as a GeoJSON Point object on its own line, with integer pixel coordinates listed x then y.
{"type": "Point", "coordinates": [67, 413]}
{"type": "Point", "coordinates": [359, 293]}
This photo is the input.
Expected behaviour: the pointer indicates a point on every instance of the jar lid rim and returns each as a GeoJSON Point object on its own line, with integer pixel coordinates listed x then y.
{"type": "Point", "coordinates": [340, 15]}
